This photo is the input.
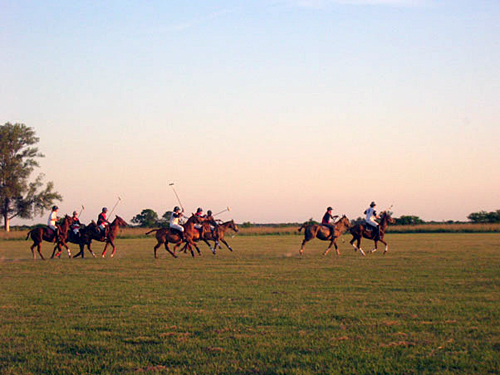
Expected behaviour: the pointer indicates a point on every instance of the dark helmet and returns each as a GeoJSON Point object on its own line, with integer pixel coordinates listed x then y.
{"type": "Point", "coordinates": [372, 204]}
{"type": "Point", "coordinates": [199, 210]}
{"type": "Point", "coordinates": [209, 212]}
{"type": "Point", "coordinates": [176, 208]}
{"type": "Point", "coordinates": [75, 213]}
{"type": "Point", "coordinates": [329, 209]}
{"type": "Point", "coordinates": [104, 209]}
{"type": "Point", "coordinates": [54, 208]}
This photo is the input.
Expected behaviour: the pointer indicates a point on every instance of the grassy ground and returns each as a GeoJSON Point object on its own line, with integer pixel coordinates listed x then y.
{"type": "Point", "coordinates": [431, 305]}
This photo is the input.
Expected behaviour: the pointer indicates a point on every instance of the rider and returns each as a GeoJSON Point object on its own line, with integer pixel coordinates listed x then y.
{"type": "Point", "coordinates": [329, 219]}
{"type": "Point", "coordinates": [102, 222]}
{"type": "Point", "coordinates": [52, 221]}
{"type": "Point", "coordinates": [213, 224]}
{"type": "Point", "coordinates": [75, 226]}
{"type": "Point", "coordinates": [199, 213]}
{"type": "Point", "coordinates": [174, 220]}
{"type": "Point", "coordinates": [371, 215]}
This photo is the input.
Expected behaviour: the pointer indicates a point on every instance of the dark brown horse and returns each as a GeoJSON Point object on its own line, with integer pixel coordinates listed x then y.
{"type": "Point", "coordinates": [164, 236]}
{"type": "Point", "coordinates": [40, 234]}
{"type": "Point", "coordinates": [361, 230]}
{"type": "Point", "coordinates": [83, 239]}
{"type": "Point", "coordinates": [92, 232]}
{"type": "Point", "coordinates": [325, 233]}
{"type": "Point", "coordinates": [205, 234]}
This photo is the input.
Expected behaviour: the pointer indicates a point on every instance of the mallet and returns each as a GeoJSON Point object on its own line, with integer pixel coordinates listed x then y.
{"type": "Point", "coordinates": [173, 188]}
{"type": "Point", "coordinates": [116, 204]}
{"type": "Point", "coordinates": [227, 209]}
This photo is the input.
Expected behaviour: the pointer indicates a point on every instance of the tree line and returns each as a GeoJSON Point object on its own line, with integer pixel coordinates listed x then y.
{"type": "Point", "coordinates": [485, 217]}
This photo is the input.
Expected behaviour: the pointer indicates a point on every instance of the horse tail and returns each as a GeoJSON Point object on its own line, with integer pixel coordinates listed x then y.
{"type": "Point", "coordinates": [152, 230]}
{"type": "Point", "coordinates": [302, 227]}
{"type": "Point", "coordinates": [28, 235]}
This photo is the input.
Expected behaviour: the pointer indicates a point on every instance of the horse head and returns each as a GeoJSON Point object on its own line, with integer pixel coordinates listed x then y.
{"type": "Point", "coordinates": [386, 216]}
{"type": "Point", "coordinates": [344, 220]}
{"type": "Point", "coordinates": [120, 222]}
{"type": "Point", "coordinates": [233, 226]}
{"type": "Point", "coordinates": [195, 219]}
{"type": "Point", "coordinates": [66, 221]}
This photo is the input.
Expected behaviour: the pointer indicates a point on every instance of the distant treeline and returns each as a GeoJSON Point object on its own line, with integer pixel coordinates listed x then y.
{"type": "Point", "coordinates": [485, 217]}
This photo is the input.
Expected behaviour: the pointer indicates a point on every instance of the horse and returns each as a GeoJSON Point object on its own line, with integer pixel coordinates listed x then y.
{"type": "Point", "coordinates": [164, 236]}
{"type": "Point", "coordinates": [92, 232]}
{"type": "Point", "coordinates": [325, 233]}
{"type": "Point", "coordinates": [84, 239]}
{"type": "Point", "coordinates": [359, 231]}
{"type": "Point", "coordinates": [42, 233]}
{"type": "Point", "coordinates": [205, 234]}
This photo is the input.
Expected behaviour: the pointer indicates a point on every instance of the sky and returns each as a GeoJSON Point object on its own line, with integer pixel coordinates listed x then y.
{"type": "Point", "coordinates": [275, 108]}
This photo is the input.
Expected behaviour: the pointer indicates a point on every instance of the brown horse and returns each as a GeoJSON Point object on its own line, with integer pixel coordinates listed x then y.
{"type": "Point", "coordinates": [324, 233]}
{"type": "Point", "coordinates": [40, 234]}
{"type": "Point", "coordinates": [92, 232]}
{"type": "Point", "coordinates": [84, 239]}
{"type": "Point", "coordinates": [362, 230]}
{"type": "Point", "coordinates": [205, 234]}
{"type": "Point", "coordinates": [164, 236]}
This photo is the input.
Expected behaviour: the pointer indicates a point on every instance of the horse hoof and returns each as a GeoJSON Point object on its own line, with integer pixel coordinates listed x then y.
{"type": "Point", "coordinates": [374, 250]}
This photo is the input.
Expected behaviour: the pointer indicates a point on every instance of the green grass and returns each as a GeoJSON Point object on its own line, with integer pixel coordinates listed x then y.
{"type": "Point", "coordinates": [430, 306]}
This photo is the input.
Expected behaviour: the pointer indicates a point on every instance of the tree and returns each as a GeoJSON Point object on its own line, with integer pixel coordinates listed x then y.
{"type": "Point", "coordinates": [485, 217]}
{"type": "Point", "coordinates": [18, 196]}
{"type": "Point", "coordinates": [409, 220]}
{"type": "Point", "coordinates": [147, 218]}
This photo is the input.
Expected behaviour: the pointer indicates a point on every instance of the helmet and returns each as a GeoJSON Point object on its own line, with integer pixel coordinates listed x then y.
{"type": "Point", "coordinates": [199, 209]}
{"type": "Point", "coordinates": [209, 212]}
{"type": "Point", "coordinates": [54, 208]}
{"type": "Point", "coordinates": [329, 209]}
{"type": "Point", "coordinates": [75, 213]}
{"type": "Point", "coordinates": [176, 208]}
{"type": "Point", "coordinates": [104, 209]}
{"type": "Point", "coordinates": [372, 204]}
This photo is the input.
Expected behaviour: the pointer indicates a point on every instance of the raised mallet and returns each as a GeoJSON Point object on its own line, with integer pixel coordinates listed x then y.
{"type": "Point", "coordinates": [116, 204]}
{"type": "Point", "coordinates": [227, 209]}
{"type": "Point", "coordinates": [83, 208]}
{"type": "Point", "coordinates": [178, 199]}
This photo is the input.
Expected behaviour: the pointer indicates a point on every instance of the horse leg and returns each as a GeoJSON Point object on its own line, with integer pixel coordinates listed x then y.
{"type": "Point", "coordinates": [375, 246]}
{"type": "Point", "coordinates": [188, 245]}
{"type": "Point", "coordinates": [80, 253]}
{"type": "Point", "coordinates": [386, 246]}
{"type": "Point", "coordinates": [359, 247]}
{"type": "Point", "coordinates": [32, 252]}
{"type": "Point", "coordinates": [156, 248]}
{"type": "Point", "coordinates": [168, 249]}
{"type": "Point", "coordinates": [197, 248]}
{"type": "Point", "coordinates": [329, 247]}
{"type": "Point", "coordinates": [39, 247]}
{"type": "Point", "coordinates": [114, 249]}
{"type": "Point", "coordinates": [303, 247]}
{"type": "Point", "coordinates": [53, 252]}
{"type": "Point", "coordinates": [67, 249]}
{"type": "Point", "coordinates": [225, 243]}
{"type": "Point", "coordinates": [210, 246]}
{"type": "Point", "coordinates": [104, 251]}
{"type": "Point", "coordinates": [336, 247]}
{"type": "Point", "coordinates": [352, 243]}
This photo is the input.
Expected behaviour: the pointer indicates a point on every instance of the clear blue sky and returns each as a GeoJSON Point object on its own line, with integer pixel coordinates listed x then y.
{"type": "Point", "coordinates": [277, 109]}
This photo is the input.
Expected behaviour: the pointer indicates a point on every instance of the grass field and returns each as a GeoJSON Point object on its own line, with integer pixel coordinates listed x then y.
{"type": "Point", "coordinates": [430, 306]}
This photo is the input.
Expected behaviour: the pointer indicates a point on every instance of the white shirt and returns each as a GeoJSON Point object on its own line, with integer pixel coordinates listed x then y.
{"type": "Point", "coordinates": [52, 219]}
{"type": "Point", "coordinates": [174, 219]}
{"type": "Point", "coordinates": [370, 214]}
